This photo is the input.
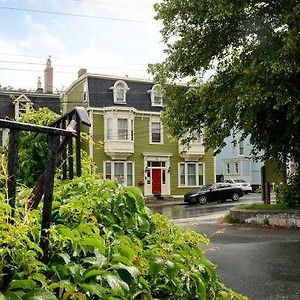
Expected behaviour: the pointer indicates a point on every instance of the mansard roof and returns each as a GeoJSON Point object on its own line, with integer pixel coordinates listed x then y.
{"type": "Point", "coordinates": [7, 98]}
{"type": "Point", "coordinates": [137, 96]}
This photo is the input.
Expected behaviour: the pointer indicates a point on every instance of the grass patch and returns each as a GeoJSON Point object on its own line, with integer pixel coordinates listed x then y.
{"type": "Point", "coordinates": [232, 220]}
{"type": "Point", "coordinates": [280, 206]}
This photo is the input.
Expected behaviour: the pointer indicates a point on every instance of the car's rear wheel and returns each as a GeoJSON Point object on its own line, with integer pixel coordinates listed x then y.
{"type": "Point", "coordinates": [202, 200]}
{"type": "Point", "coordinates": [235, 197]}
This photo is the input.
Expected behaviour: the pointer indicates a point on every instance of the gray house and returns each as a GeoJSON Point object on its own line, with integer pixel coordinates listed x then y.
{"type": "Point", "coordinates": [235, 162]}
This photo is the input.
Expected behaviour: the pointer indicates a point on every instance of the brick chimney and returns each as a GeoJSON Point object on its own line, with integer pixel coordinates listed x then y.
{"type": "Point", "coordinates": [48, 77]}
{"type": "Point", "coordinates": [39, 86]}
{"type": "Point", "coordinates": [81, 72]}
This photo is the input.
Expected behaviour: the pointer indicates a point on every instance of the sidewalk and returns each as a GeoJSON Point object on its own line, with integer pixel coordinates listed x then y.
{"type": "Point", "coordinates": [165, 202]}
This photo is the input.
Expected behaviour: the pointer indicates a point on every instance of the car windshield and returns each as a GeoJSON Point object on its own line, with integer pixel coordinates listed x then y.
{"type": "Point", "coordinates": [206, 187]}
{"type": "Point", "coordinates": [239, 180]}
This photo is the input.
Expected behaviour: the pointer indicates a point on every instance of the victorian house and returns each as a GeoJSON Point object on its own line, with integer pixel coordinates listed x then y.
{"type": "Point", "coordinates": [130, 143]}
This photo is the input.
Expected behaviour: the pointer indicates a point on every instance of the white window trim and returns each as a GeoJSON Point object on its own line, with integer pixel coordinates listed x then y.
{"type": "Point", "coordinates": [186, 175]}
{"type": "Point", "coordinates": [114, 88]}
{"type": "Point", "coordinates": [115, 116]}
{"type": "Point", "coordinates": [112, 162]}
{"type": "Point", "coordinates": [22, 99]}
{"type": "Point", "coordinates": [156, 120]}
{"type": "Point", "coordinates": [152, 94]}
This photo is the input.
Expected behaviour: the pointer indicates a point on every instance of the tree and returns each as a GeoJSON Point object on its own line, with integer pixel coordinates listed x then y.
{"type": "Point", "coordinates": [253, 48]}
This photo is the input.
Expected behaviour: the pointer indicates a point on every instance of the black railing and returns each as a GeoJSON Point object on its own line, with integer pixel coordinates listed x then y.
{"type": "Point", "coordinates": [56, 150]}
{"type": "Point", "coordinates": [81, 117]}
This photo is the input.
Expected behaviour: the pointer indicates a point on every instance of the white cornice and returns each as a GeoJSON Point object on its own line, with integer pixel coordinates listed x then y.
{"type": "Point", "coordinates": [119, 108]}
{"type": "Point", "coordinates": [115, 77]}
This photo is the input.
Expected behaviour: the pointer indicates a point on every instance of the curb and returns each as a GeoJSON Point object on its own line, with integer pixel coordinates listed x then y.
{"type": "Point", "coordinates": [287, 218]}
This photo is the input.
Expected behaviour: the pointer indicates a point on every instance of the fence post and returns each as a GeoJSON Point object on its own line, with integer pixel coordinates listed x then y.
{"type": "Point", "coordinates": [13, 148]}
{"type": "Point", "coordinates": [78, 146]}
{"type": "Point", "coordinates": [48, 194]}
{"type": "Point", "coordinates": [64, 154]}
{"type": "Point", "coordinates": [70, 154]}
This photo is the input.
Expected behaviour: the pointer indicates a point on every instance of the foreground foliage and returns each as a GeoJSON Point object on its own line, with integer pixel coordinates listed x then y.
{"type": "Point", "coordinates": [105, 244]}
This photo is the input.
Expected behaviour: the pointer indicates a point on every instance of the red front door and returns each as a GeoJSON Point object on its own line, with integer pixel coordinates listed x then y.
{"type": "Point", "coordinates": [156, 181]}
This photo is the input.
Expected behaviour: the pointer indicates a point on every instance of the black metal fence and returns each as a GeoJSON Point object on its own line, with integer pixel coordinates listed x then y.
{"type": "Point", "coordinates": [60, 144]}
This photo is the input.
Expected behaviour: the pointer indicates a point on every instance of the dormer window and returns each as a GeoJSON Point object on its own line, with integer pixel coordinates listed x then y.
{"type": "Point", "coordinates": [22, 105]}
{"type": "Point", "coordinates": [155, 93]}
{"type": "Point", "coordinates": [120, 89]}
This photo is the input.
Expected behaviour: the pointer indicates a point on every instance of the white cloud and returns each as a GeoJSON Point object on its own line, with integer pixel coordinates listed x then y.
{"type": "Point", "coordinates": [40, 34]}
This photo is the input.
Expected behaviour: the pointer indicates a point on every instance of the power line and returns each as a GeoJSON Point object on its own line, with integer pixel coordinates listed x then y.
{"type": "Point", "coordinates": [66, 72]}
{"type": "Point", "coordinates": [74, 15]}
{"type": "Point", "coordinates": [61, 65]}
{"type": "Point", "coordinates": [111, 4]}
{"type": "Point", "coordinates": [56, 59]}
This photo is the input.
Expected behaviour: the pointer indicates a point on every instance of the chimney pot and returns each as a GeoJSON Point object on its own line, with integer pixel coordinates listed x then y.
{"type": "Point", "coordinates": [82, 71]}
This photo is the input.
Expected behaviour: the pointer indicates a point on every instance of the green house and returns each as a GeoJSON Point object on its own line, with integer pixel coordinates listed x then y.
{"type": "Point", "coordinates": [129, 142]}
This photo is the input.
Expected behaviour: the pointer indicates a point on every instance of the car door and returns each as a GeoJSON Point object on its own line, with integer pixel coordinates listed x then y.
{"type": "Point", "coordinates": [214, 192]}
{"type": "Point", "coordinates": [226, 191]}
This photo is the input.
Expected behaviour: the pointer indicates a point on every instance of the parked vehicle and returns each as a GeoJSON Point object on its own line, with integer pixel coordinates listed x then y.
{"type": "Point", "coordinates": [215, 192]}
{"type": "Point", "coordinates": [242, 184]}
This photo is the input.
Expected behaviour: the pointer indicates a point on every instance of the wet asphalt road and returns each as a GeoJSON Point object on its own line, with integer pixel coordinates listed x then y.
{"type": "Point", "coordinates": [258, 262]}
{"type": "Point", "coordinates": [261, 263]}
{"type": "Point", "coordinates": [207, 211]}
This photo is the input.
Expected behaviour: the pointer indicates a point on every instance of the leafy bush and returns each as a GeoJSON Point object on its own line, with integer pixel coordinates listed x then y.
{"type": "Point", "coordinates": [289, 193]}
{"type": "Point", "coordinates": [105, 244]}
{"type": "Point", "coordinates": [33, 146]}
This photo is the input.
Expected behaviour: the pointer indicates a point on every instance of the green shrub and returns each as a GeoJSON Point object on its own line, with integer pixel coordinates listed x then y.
{"type": "Point", "coordinates": [289, 193]}
{"type": "Point", "coordinates": [33, 146]}
{"type": "Point", "coordinates": [105, 244]}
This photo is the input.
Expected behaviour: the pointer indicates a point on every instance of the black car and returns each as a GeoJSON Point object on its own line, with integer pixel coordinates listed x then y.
{"type": "Point", "coordinates": [215, 192]}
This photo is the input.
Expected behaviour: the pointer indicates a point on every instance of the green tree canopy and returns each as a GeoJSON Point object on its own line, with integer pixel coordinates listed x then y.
{"type": "Point", "coordinates": [253, 48]}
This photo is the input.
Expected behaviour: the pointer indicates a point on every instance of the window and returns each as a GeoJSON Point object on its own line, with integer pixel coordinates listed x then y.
{"type": "Point", "coordinates": [236, 167]}
{"type": "Point", "coordinates": [119, 129]}
{"type": "Point", "coordinates": [155, 93]}
{"type": "Point", "coordinates": [131, 130]}
{"type": "Point", "coordinates": [108, 170]}
{"type": "Point", "coordinates": [109, 131]}
{"type": "Point", "coordinates": [122, 129]}
{"type": "Point", "coordinates": [120, 171]}
{"type": "Point", "coordinates": [196, 138]}
{"type": "Point", "coordinates": [22, 105]}
{"type": "Point", "coordinates": [241, 147]}
{"type": "Point", "coordinates": [228, 168]}
{"type": "Point", "coordinates": [120, 89]}
{"type": "Point", "coordinates": [191, 174]}
{"type": "Point", "coordinates": [85, 92]}
{"type": "Point", "coordinates": [156, 132]}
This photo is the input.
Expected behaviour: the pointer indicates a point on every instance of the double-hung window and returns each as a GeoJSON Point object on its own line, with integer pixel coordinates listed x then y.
{"type": "Point", "coordinates": [241, 147]}
{"type": "Point", "coordinates": [156, 132]}
{"type": "Point", "coordinates": [109, 129]}
{"type": "Point", "coordinates": [122, 129]}
{"type": "Point", "coordinates": [191, 174]}
{"type": "Point", "coordinates": [120, 171]}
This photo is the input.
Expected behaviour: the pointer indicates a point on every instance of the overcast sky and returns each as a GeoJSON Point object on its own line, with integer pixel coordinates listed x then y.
{"type": "Point", "coordinates": [117, 37]}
